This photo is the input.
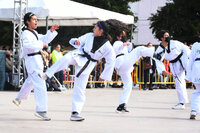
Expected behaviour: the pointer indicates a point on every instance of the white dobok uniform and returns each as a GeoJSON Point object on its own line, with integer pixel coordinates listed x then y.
{"type": "Point", "coordinates": [74, 58]}
{"type": "Point", "coordinates": [178, 57]}
{"type": "Point", "coordinates": [124, 65]}
{"type": "Point", "coordinates": [193, 75]}
{"type": "Point", "coordinates": [34, 66]}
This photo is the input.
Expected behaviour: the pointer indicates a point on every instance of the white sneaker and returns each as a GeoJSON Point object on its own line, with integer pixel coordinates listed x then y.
{"type": "Point", "coordinates": [16, 101]}
{"type": "Point", "coordinates": [179, 106]}
{"type": "Point", "coordinates": [76, 117]}
{"type": "Point", "coordinates": [42, 115]}
{"type": "Point", "coordinates": [62, 88]}
{"type": "Point", "coordinates": [193, 114]}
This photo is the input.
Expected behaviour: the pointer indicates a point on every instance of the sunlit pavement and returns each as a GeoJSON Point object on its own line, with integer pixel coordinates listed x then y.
{"type": "Point", "coordinates": [150, 112]}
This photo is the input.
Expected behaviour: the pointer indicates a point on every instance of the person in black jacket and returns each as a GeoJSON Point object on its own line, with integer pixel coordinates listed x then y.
{"type": "Point", "coordinates": [149, 67]}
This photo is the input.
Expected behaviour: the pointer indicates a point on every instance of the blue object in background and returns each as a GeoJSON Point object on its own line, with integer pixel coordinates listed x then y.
{"type": "Point", "coordinates": [2, 69]}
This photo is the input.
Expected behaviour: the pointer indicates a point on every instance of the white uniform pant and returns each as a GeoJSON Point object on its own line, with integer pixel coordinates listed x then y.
{"type": "Point", "coordinates": [124, 70]}
{"type": "Point", "coordinates": [181, 87]}
{"type": "Point", "coordinates": [40, 91]}
{"type": "Point", "coordinates": [78, 97]}
{"type": "Point", "coordinates": [127, 87]}
{"type": "Point", "coordinates": [195, 99]}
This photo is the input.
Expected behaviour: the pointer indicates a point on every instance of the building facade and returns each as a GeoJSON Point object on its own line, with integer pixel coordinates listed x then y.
{"type": "Point", "coordinates": [143, 10]}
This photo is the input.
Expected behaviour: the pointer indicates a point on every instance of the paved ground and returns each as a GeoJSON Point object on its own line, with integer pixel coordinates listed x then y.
{"type": "Point", "coordinates": [150, 112]}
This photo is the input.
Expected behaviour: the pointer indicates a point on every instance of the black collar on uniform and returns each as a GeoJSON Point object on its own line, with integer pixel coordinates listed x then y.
{"type": "Point", "coordinates": [162, 46]}
{"type": "Point", "coordinates": [168, 49]}
{"type": "Point", "coordinates": [98, 42]}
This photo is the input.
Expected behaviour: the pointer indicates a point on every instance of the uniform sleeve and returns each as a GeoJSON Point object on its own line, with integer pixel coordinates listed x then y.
{"type": "Point", "coordinates": [48, 37]}
{"type": "Point", "coordinates": [110, 63]}
{"type": "Point", "coordinates": [160, 67]}
{"type": "Point", "coordinates": [82, 40]}
{"type": "Point", "coordinates": [185, 49]}
{"type": "Point", "coordinates": [118, 46]}
{"type": "Point", "coordinates": [159, 57]}
{"type": "Point", "coordinates": [191, 62]}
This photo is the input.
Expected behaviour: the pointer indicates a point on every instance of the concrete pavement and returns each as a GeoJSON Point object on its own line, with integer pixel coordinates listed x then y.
{"type": "Point", "coordinates": [150, 112]}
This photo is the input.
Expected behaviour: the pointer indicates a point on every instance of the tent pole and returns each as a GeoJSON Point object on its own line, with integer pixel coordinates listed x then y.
{"type": "Point", "coordinates": [132, 37]}
{"type": "Point", "coordinates": [131, 32]}
{"type": "Point", "coordinates": [47, 26]}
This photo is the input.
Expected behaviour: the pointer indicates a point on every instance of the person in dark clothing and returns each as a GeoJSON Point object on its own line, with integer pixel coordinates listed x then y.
{"type": "Point", "coordinates": [149, 67]}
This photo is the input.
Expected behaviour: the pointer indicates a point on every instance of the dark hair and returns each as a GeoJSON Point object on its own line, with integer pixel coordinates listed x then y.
{"type": "Point", "coordinates": [149, 44]}
{"type": "Point", "coordinates": [116, 28]}
{"type": "Point", "coordinates": [160, 34]}
{"type": "Point", "coordinates": [104, 26]}
{"type": "Point", "coordinates": [27, 17]}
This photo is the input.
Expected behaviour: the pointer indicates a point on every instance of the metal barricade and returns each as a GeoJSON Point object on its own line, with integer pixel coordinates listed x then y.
{"type": "Point", "coordinates": [157, 79]}
{"type": "Point", "coordinates": [137, 75]}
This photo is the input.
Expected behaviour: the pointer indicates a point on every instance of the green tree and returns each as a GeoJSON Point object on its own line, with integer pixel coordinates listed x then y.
{"type": "Point", "coordinates": [181, 18]}
{"type": "Point", "coordinates": [6, 33]}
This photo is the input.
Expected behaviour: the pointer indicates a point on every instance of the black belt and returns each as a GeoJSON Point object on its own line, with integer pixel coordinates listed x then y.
{"type": "Point", "coordinates": [177, 58]}
{"type": "Point", "coordinates": [87, 63]}
{"type": "Point", "coordinates": [39, 53]}
{"type": "Point", "coordinates": [119, 55]}
{"type": "Point", "coordinates": [35, 54]}
{"type": "Point", "coordinates": [197, 59]}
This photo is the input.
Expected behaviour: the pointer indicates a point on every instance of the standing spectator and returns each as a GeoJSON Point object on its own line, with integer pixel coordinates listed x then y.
{"type": "Point", "coordinates": [8, 66]}
{"type": "Point", "coordinates": [8, 72]}
{"type": "Point", "coordinates": [46, 56]}
{"type": "Point", "coordinates": [56, 55]}
{"type": "Point", "coordinates": [149, 67]}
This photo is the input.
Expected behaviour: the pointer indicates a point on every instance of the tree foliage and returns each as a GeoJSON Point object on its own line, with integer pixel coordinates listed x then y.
{"type": "Point", "coordinates": [181, 18]}
{"type": "Point", "coordinates": [6, 33]}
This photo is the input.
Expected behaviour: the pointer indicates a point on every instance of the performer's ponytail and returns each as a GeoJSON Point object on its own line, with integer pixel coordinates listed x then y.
{"type": "Point", "coordinates": [116, 28]}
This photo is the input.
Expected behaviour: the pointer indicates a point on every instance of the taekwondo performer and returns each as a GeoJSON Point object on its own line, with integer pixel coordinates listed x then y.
{"type": "Point", "coordinates": [90, 48]}
{"type": "Point", "coordinates": [193, 75]}
{"type": "Point", "coordinates": [32, 44]}
{"type": "Point", "coordinates": [178, 55]}
{"type": "Point", "coordinates": [125, 61]}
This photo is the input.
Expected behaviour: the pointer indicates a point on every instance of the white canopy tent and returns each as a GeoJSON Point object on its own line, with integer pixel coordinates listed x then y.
{"type": "Point", "coordinates": [63, 12]}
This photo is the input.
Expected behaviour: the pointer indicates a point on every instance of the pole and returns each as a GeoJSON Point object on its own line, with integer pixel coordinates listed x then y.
{"type": "Point", "coordinates": [47, 26]}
